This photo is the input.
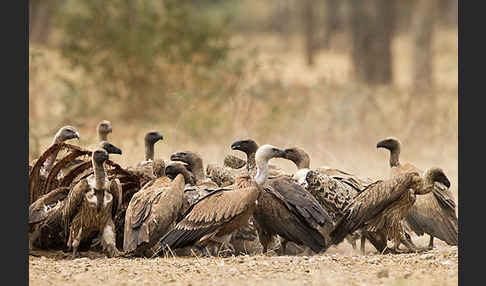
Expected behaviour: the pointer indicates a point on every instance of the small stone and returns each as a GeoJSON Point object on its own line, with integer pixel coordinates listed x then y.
{"type": "Point", "coordinates": [383, 273]}
{"type": "Point", "coordinates": [427, 256]}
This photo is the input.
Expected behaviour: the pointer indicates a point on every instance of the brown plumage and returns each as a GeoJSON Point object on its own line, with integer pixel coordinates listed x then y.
{"type": "Point", "coordinates": [90, 207]}
{"type": "Point", "coordinates": [233, 162]}
{"type": "Point", "coordinates": [39, 171]}
{"type": "Point", "coordinates": [284, 208]}
{"type": "Point", "coordinates": [219, 213]}
{"type": "Point", "coordinates": [383, 205]}
{"type": "Point", "coordinates": [433, 213]}
{"type": "Point", "coordinates": [221, 175]}
{"type": "Point", "coordinates": [151, 212]}
{"type": "Point", "coordinates": [333, 188]}
{"type": "Point", "coordinates": [45, 220]}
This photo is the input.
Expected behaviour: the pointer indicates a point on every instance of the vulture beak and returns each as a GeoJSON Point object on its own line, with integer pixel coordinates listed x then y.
{"type": "Point", "coordinates": [381, 144]}
{"type": "Point", "coordinates": [115, 150]}
{"type": "Point", "coordinates": [76, 135]}
{"type": "Point", "coordinates": [160, 136]}
{"type": "Point", "coordinates": [445, 181]}
{"type": "Point", "coordinates": [176, 156]}
{"type": "Point", "coordinates": [236, 145]}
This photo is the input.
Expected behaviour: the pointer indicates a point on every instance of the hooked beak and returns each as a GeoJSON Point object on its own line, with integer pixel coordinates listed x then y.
{"type": "Point", "coordinates": [76, 135]}
{"type": "Point", "coordinates": [381, 144]}
{"type": "Point", "coordinates": [236, 145]}
{"type": "Point", "coordinates": [176, 157]}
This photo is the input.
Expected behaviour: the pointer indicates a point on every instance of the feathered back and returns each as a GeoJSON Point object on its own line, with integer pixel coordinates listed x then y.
{"type": "Point", "coordinates": [371, 202]}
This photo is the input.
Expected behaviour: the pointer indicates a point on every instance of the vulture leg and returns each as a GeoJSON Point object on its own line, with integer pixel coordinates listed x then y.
{"type": "Point", "coordinates": [431, 243]}
{"type": "Point", "coordinates": [378, 240]}
{"type": "Point", "coordinates": [283, 246]}
{"type": "Point", "coordinates": [75, 242]}
{"type": "Point", "coordinates": [363, 242]}
{"type": "Point", "coordinates": [33, 237]}
{"type": "Point", "coordinates": [351, 241]}
{"type": "Point", "coordinates": [108, 239]}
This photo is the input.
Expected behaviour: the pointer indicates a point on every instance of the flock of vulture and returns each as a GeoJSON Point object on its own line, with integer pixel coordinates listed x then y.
{"type": "Point", "coordinates": [79, 200]}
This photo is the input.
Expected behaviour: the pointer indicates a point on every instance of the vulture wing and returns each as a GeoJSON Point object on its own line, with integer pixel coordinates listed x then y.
{"type": "Point", "coordinates": [368, 204]}
{"type": "Point", "coordinates": [204, 218]}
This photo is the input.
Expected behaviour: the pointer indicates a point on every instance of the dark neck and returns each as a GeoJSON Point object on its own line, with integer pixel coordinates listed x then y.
{"type": "Point", "coordinates": [197, 169]}
{"type": "Point", "coordinates": [394, 157]}
{"type": "Point", "coordinates": [49, 163]}
{"type": "Point", "coordinates": [99, 173]}
{"type": "Point", "coordinates": [102, 136]}
{"type": "Point", "coordinates": [149, 151]}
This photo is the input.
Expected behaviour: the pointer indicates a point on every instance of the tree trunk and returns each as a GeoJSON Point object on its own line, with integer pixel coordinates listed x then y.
{"type": "Point", "coordinates": [41, 13]}
{"type": "Point", "coordinates": [331, 22]}
{"type": "Point", "coordinates": [372, 26]}
{"type": "Point", "coordinates": [423, 37]}
{"type": "Point", "coordinates": [308, 23]}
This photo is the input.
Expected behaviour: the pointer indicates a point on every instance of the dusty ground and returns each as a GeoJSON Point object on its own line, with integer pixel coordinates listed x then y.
{"type": "Point", "coordinates": [340, 265]}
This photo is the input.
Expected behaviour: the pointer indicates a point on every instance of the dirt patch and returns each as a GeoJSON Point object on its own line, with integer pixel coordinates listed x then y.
{"type": "Point", "coordinates": [340, 265]}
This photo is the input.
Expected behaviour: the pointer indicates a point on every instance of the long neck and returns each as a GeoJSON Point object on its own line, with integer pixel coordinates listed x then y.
{"type": "Point", "coordinates": [99, 173]}
{"type": "Point", "coordinates": [394, 157]}
{"type": "Point", "coordinates": [198, 170]}
{"type": "Point", "coordinates": [251, 163]}
{"type": "Point", "coordinates": [102, 136]}
{"type": "Point", "coordinates": [303, 164]}
{"type": "Point", "coordinates": [49, 163]}
{"type": "Point", "coordinates": [149, 151]}
{"type": "Point", "coordinates": [261, 171]}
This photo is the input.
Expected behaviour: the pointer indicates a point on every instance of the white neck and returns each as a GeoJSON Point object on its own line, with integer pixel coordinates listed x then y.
{"type": "Point", "coordinates": [262, 171]}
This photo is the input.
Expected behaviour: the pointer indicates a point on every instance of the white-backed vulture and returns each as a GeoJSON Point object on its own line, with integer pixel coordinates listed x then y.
{"type": "Point", "coordinates": [333, 188]}
{"type": "Point", "coordinates": [90, 207]}
{"type": "Point", "coordinates": [202, 187]}
{"type": "Point", "coordinates": [249, 147]}
{"type": "Point", "coordinates": [147, 167]}
{"type": "Point", "coordinates": [151, 213]}
{"type": "Point", "coordinates": [40, 168]}
{"type": "Point", "coordinates": [433, 213]}
{"type": "Point", "coordinates": [222, 211]}
{"type": "Point", "coordinates": [286, 209]}
{"type": "Point", "coordinates": [383, 205]}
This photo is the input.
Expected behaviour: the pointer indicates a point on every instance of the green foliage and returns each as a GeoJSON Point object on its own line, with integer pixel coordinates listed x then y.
{"type": "Point", "coordinates": [134, 50]}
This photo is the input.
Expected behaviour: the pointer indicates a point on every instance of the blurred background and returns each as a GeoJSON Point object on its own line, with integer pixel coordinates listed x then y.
{"type": "Point", "coordinates": [333, 77]}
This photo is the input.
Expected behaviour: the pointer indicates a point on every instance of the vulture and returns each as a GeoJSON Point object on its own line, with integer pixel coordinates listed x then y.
{"type": "Point", "coordinates": [433, 213]}
{"type": "Point", "coordinates": [152, 211]}
{"type": "Point", "coordinates": [333, 188]}
{"type": "Point", "coordinates": [103, 128]}
{"type": "Point", "coordinates": [143, 172]}
{"type": "Point", "coordinates": [39, 169]}
{"type": "Point", "coordinates": [45, 219]}
{"type": "Point", "coordinates": [382, 206]}
{"type": "Point", "coordinates": [249, 147]}
{"type": "Point", "coordinates": [225, 175]}
{"type": "Point", "coordinates": [202, 187]}
{"type": "Point", "coordinates": [222, 211]}
{"type": "Point", "coordinates": [90, 207]}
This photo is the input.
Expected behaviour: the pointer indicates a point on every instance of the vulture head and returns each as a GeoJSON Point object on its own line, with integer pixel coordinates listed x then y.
{"type": "Point", "coordinates": [436, 175]}
{"type": "Point", "coordinates": [190, 158]}
{"type": "Point", "coordinates": [247, 146]}
{"type": "Point", "coordinates": [66, 133]}
{"type": "Point", "coordinates": [104, 128]}
{"type": "Point", "coordinates": [176, 168]}
{"type": "Point", "coordinates": [389, 143]}
{"type": "Point", "coordinates": [267, 152]}
{"type": "Point", "coordinates": [297, 155]}
{"type": "Point", "coordinates": [99, 156]}
{"type": "Point", "coordinates": [152, 137]}
{"type": "Point", "coordinates": [110, 148]}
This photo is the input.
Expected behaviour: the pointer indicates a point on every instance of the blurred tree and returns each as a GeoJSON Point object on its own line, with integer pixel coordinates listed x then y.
{"type": "Point", "coordinates": [309, 30]}
{"type": "Point", "coordinates": [422, 30]}
{"type": "Point", "coordinates": [372, 27]}
{"type": "Point", "coordinates": [131, 48]}
{"type": "Point", "coordinates": [331, 21]}
{"type": "Point", "coordinates": [40, 15]}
